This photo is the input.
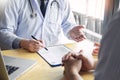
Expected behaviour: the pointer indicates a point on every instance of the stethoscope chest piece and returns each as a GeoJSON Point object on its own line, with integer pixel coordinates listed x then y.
{"type": "Point", "coordinates": [33, 15]}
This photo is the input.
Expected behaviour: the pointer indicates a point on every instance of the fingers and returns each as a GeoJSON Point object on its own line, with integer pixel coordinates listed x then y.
{"type": "Point", "coordinates": [69, 56]}
{"type": "Point", "coordinates": [79, 37]}
{"type": "Point", "coordinates": [80, 26]}
{"type": "Point", "coordinates": [96, 49]}
{"type": "Point", "coordinates": [31, 45]}
{"type": "Point", "coordinates": [96, 44]}
{"type": "Point", "coordinates": [34, 45]}
{"type": "Point", "coordinates": [77, 34]}
{"type": "Point", "coordinates": [73, 55]}
{"type": "Point", "coordinates": [66, 57]}
{"type": "Point", "coordinates": [80, 56]}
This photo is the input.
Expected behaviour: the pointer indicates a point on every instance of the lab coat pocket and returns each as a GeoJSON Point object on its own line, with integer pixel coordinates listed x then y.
{"type": "Point", "coordinates": [54, 30]}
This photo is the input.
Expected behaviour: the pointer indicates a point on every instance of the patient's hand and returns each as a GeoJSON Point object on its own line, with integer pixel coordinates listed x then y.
{"type": "Point", "coordinates": [96, 49]}
{"type": "Point", "coordinates": [87, 61]}
{"type": "Point", "coordinates": [72, 66]}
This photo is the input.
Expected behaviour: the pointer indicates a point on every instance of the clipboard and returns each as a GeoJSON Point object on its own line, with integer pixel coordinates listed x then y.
{"type": "Point", "coordinates": [54, 54]}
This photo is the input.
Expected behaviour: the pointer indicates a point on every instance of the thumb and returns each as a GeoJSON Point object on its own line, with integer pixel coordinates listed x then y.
{"type": "Point", "coordinates": [40, 41]}
{"type": "Point", "coordinates": [81, 51]}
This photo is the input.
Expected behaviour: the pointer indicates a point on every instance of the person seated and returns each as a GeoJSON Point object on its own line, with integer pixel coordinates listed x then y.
{"type": "Point", "coordinates": [75, 62]}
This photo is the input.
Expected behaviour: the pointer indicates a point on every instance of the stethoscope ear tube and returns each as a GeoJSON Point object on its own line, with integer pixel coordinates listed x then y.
{"type": "Point", "coordinates": [55, 1]}
{"type": "Point", "coordinates": [33, 14]}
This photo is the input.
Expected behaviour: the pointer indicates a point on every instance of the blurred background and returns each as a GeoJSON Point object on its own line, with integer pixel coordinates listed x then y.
{"type": "Point", "coordinates": [94, 14]}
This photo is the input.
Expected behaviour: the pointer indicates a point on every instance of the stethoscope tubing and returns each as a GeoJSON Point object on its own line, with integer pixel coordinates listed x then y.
{"type": "Point", "coordinates": [33, 14]}
{"type": "Point", "coordinates": [55, 1]}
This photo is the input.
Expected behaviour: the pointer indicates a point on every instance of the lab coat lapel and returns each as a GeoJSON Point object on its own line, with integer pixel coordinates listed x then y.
{"type": "Point", "coordinates": [45, 23]}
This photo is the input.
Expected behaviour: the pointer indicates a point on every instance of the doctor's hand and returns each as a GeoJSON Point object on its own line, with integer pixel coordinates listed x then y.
{"type": "Point", "coordinates": [31, 45]}
{"type": "Point", "coordinates": [76, 33]}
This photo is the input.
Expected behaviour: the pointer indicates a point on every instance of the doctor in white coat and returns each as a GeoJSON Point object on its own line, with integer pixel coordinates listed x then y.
{"type": "Point", "coordinates": [23, 18]}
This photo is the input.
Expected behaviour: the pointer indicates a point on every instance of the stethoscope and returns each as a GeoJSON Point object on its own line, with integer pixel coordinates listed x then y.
{"type": "Point", "coordinates": [34, 14]}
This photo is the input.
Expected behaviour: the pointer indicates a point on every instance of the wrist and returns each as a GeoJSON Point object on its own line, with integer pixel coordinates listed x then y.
{"type": "Point", "coordinates": [75, 76]}
{"type": "Point", "coordinates": [23, 43]}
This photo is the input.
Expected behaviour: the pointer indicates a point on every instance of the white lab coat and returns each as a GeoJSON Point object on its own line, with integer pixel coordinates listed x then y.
{"type": "Point", "coordinates": [18, 24]}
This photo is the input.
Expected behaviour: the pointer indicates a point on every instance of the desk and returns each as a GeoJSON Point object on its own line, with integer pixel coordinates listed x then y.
{"type": "Point", "coordinates": [41, 70]}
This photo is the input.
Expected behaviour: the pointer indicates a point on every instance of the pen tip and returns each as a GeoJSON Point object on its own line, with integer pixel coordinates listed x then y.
{"type": "Point", "coordinates": [46, 48]}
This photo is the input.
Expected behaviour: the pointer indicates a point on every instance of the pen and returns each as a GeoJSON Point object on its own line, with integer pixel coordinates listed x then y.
{"type": "Point", "coordinates": [36, 39]}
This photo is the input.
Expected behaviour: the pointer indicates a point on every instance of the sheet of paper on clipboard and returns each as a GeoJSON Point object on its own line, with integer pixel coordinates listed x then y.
{"type": "Point", "coordinates": [86, 46]}
{"type": "Point", "coordinates": [54, 54]}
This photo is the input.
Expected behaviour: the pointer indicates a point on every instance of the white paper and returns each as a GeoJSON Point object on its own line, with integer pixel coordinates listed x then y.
{"type": "Point", "coordinates": [86, 46]}
{"type": "Point", "coordinates": [54, 54]}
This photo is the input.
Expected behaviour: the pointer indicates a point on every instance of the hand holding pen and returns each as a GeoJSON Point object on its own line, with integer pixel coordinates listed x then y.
{"type": "Point", "coordinates": [31, 45]}
{"type": "Point", "coordinates": [40, 41]}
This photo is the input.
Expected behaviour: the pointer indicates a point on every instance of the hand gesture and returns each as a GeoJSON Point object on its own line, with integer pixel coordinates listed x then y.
{"type": "Point", "coordinates": [76, 34]}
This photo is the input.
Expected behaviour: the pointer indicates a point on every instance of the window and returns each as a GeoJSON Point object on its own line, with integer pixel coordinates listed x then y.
{"type": "Point", "coordinates": [94, 8]}
{"type": "Point", "coordinates": [89, 13]}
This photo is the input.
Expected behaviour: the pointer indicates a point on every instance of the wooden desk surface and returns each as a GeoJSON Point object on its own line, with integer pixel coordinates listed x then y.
{"type": "Point", "coordinates": [41, 70]}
